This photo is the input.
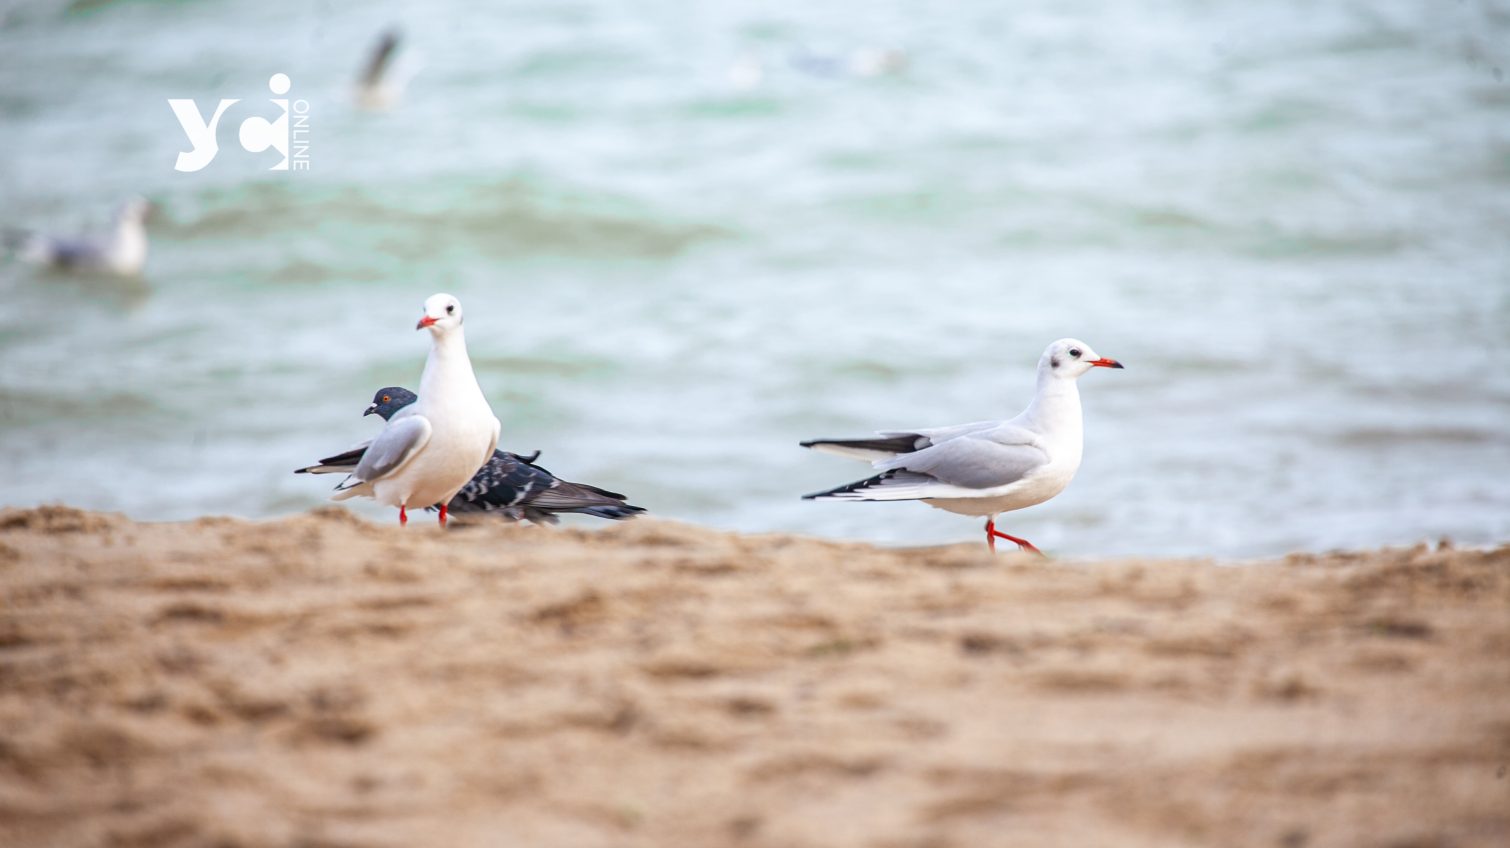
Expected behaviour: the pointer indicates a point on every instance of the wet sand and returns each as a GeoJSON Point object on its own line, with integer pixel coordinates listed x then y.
{"type": "Point", "coordinates": [321, 681]}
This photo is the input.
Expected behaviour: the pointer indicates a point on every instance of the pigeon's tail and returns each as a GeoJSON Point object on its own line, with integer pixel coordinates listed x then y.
{"type": "Point", "coordinates": [580, 498]}
{"type": "Point", "coordinates": [613, 513]}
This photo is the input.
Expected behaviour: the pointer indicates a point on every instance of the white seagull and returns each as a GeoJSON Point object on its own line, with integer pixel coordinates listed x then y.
{"type": "Point", "coordinates": [430, 449]}
{"type": "Point", "coordinates": [985, 468]}
{"type": "Point", "coordinates": [122, 251]}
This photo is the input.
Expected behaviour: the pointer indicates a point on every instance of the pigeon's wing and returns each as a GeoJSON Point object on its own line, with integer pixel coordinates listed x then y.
{"type": "Point", "coordinates": [396, 445]}
{"type": "Point", "coordinates": [511, 486]}
{"type": "Point", "coordinates": [502, 484]}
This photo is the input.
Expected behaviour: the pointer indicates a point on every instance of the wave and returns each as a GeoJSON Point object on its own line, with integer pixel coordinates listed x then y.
{"type": "Point", "coordinates": [509, 218]}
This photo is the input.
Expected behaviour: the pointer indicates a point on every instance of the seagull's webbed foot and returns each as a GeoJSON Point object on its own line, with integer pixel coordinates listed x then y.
{"type": "Point", "coordinates": [992, 534]}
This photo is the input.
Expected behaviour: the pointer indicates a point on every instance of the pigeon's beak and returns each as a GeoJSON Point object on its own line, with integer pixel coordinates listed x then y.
{"type": "Point", "coordinates": [1106, 363]}
{"type": "Point", "coordinates": [424, 322]}
{"type": "Point", "coordinates": [371, 408]}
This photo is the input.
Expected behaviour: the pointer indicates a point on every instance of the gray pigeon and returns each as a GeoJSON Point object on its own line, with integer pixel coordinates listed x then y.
{"type": "Point", "coordinates": [509, 485]}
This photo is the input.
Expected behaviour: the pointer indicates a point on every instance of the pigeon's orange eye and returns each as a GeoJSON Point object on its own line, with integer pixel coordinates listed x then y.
{"type": "Point", "coordinates": [386, 398]}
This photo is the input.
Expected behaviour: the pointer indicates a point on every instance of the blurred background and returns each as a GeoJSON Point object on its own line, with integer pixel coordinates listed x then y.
{"type": "Point", "coordinates": [689, 235]}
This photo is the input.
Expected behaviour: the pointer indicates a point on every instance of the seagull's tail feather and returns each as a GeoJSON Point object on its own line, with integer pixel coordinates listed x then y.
{"type": "Point", "coordinates": [896, 485]}
{"type": "Point", "coordinates": [351, 488]}
{"type": "Point", "coordinates": [341, 463]}
{"type": "Point", "coordinates": [325, 469]}
{"type": "Point", "coordinates": [868, 449]}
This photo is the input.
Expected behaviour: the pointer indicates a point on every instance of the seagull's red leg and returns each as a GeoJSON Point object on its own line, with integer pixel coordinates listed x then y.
{"type": "Point", "coordinates": [442, 515]}
{"type": "Point", "coordinates": [403, 517]}
{"type": "Point", "coordinates": [991, 534]}
{"type": "Point", "coordinates": [1023, 544]}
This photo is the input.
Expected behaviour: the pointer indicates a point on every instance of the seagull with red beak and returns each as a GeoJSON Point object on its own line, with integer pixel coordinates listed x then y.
{"type": "Point", "coordinates": [989, 467]}
{"type": "Point", "coordinates": [430, 449]}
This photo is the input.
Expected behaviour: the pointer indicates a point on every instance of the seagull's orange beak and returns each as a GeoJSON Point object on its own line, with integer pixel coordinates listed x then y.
{"type": "Point", "coordinates": [1106, 363]}
{"type": "Point", "coordinates": [427, 321]}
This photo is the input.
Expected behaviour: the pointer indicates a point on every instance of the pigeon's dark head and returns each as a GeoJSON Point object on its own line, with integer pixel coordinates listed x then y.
{"type": "Point", "coordinates": [390, 400]}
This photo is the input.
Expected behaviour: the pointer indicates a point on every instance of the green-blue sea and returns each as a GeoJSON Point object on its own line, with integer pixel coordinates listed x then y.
{"type": "Point", "coordinates": [689, 235]}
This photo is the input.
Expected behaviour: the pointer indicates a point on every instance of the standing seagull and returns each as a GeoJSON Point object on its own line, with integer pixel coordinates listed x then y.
{"type": "Point", "coordinates": [988, 467]}
{"type": "Point", "coordinates": [431, 448]}
{"type": "Point", "coordinates": [509, 485]}
{"type": "Point", "coordinates": [122, 251]}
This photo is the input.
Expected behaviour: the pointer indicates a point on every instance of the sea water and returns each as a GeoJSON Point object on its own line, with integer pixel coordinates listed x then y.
{"type": "Point", "coordinates": [689, 235]}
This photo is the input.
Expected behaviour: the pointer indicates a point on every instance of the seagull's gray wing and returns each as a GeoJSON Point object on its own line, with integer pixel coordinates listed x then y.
{"type": "Point", "coordinates": [56, 251]}
{"type": "Point", "coordinates": [939, 435]}
{"type": "Point", "coordinates": [977, 465]}
{"type": "Point", "coordinates": [889, 443]}
{"type": "Point", "coordinates": [393, 447]}
{"type": "Point", "coordinates": [341, 463]}
{"type": "Point", "coordinates": [377, 61]}
{"type": "Point", "coordinates": [76, 252]}
{"type": "Point", "coordinates": [981, 460]}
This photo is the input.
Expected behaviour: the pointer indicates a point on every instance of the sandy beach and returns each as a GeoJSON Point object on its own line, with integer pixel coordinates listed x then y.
{"type": "Point", "coordinates": [322, 681]}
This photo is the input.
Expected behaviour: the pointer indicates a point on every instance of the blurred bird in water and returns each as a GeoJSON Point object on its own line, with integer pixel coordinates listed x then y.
{"type": "Point", "coordinates": [509, 485]}
{"type": "Point", "coordinates": [120, 252]}
{"type": "Point", "coordinates": [380, 85]}
{"type": "Point", "coordinates": [861, 63]}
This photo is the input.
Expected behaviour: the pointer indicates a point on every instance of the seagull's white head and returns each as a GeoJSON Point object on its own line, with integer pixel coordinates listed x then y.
{"type": "Point", "coordinates": [1069, 358]}
{"type": "Point", "coordinates": [442, 314]}
{"type": "Point", "coordinates": [135, 210]}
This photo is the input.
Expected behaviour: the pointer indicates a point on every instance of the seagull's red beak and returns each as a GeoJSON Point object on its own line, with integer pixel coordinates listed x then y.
{"type": "Point", "coordinates": [1106, 363]}
{"type": "Point", "coordinates": [427, 321]}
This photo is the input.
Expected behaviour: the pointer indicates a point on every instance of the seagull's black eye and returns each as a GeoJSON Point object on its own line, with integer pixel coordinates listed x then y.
{"type": "Point", "coordinates": [450, 308]}
{"type": "Point", "coordinates": [1075, 352]}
